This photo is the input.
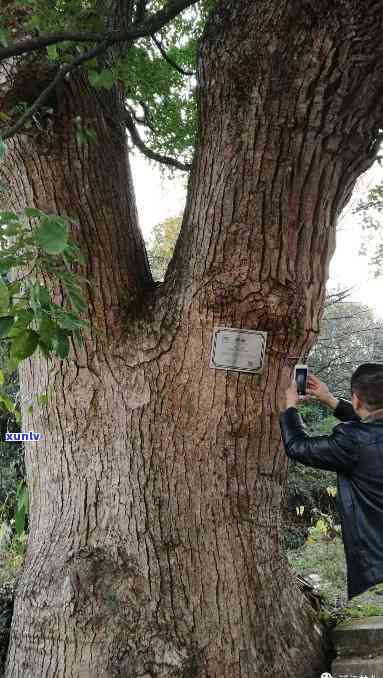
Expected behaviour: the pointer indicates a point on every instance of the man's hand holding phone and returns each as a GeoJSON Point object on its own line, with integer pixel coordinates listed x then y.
{"type": "Point", "coordinates": [306, 386]}
{"type": "Point", "coordinates": [297, 388]}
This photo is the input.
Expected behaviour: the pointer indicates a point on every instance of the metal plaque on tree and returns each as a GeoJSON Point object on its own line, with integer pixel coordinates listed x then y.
{"type": "Point", "coordinates": [239, 350]}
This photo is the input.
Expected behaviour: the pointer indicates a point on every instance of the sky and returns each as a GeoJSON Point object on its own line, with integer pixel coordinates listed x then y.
{"type": "Point", "coordinates": [348, 267]}
{"type": "Point", "coordinates": [159, 198]}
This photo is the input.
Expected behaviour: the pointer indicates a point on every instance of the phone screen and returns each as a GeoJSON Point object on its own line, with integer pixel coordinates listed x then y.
{"type": "Point", "coordinates": [301, 379]}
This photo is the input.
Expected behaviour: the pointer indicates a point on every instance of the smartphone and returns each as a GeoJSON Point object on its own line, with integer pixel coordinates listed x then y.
{"type": "Point", "coordinates": [300, 376]}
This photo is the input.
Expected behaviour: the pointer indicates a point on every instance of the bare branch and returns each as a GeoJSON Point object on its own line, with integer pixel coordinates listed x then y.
{"type": "Point", "coordinates": [136, 118]}
{"type": "Point", "coordinates": [170, 61]}
{"type": "Point", "coordinates": [147, 116]}
{"type": "Point", "coordinates": [164, 159]}
{"type": "Point", "coordinates": [337, 297]}
{"type": "Point", "coordinates": [346, 335]}
{"type": "Point", "coordinates": [151, 25]}
{"type": "Point", "coordinates": [348, 317]}
{"type": "Point", "coordinates": [30, 112]}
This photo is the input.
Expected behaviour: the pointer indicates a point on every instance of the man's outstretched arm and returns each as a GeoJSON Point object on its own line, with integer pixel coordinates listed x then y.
{"type": "Point", "coordinates": [335, 452]}
{"type": "Point", "coordinates": [342, 409]}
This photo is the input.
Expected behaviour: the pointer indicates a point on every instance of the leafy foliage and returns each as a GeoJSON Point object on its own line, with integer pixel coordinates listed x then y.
{"type": "Point", "coordinates": [38, 245]}
{"type": "Point", "coordinates": [156, 75]}
{"type": "Point", "coordinates": [48, 16]}
{"type": "Point", "coordinates": [22, 507]}
{"type": "Point", "coordinates": [370, 211]}
{"type": "Point", "coordinates": [12, 552]}
{"type": "Point", "coordinates": [161, 96]}
{"type": "Point", "coordinates": [161, 245]}
{"type": "Point", "coordinates": [349, 335]}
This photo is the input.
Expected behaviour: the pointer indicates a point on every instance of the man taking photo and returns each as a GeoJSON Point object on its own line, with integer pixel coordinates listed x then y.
{"type": "Point", "coordinates": [354, 451]}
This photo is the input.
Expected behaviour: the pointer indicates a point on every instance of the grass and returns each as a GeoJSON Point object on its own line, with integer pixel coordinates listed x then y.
{"type": "Point", "coordinates": [326, 559]}
{"type": "Point", "coordinates": [12, 558]}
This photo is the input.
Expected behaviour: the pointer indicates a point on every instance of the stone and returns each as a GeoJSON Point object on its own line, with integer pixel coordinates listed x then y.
{"type": "Point", "coordinates": [361, 638]}
{"type": "Point", "coordinates": [354, 667]}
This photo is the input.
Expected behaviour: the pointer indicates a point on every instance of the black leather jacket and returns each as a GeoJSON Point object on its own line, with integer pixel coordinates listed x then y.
{"type": "Point", "coordinates": [355, 451]}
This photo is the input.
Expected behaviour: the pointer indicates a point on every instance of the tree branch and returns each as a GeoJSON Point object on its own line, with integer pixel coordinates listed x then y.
{"type": "Point", "coordinates": [151, 25]}
{"type": "Point", "coordinates": [166, 160]}
{"type": "Point", "coordinates": [169, 59]}
{"type": "Point", "coordinates": [338, 297]}
{"type": "Point", "coordinates": [147, 116]}
{"type": "Point", "coordinates": [45, 94]}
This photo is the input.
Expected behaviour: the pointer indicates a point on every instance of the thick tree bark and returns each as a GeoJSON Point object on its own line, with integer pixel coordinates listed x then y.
{"type": "Point", "coordinates": [154, 547]}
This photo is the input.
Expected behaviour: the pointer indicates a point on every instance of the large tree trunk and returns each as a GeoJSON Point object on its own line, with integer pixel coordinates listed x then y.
{"type": "Point", "coordinates": [154, 546]}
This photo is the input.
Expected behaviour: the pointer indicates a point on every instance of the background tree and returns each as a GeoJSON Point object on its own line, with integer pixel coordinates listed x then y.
{"type": "Point", "coordinates": [370, 213]}
{"type": "Point", "coordinates": [155, 493]}
{"type": "Point", "coordinates": [350, 335]}
{"type": "Point", "coordinates": [161, 245]}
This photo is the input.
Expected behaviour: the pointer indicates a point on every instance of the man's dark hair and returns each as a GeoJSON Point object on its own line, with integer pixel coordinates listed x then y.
{"type": "Point", "coordinates": [367, 384]}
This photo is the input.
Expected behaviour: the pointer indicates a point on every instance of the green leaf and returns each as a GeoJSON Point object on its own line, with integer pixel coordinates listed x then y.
{"type": "Point", "coordinates": [6, 263]}
{"type": "Point", "coordinates": [4, 297]}
{"type": "Point", "coordinates": [32, 213]}
{"type": "Point", "coordinates": [22, 496]}
{"type": "Point", "coordinates": [44, 348]}
{"type": "Point", "coordinates": [68, 321]}
{"type": "Point", "coordinates": [23, 320]}
{"type": "Point", "coordinates": [77, 299]}
{"type": "Point", "coordinates": [78, 338]}
{"type": "Point", "coordinates": [1, 377]}
{"type": "Point", "coordinates": [48, 332]}
{"type": "Point", "coordinates": [14, 287]}
{"type": "Point", "coordinates": [6, 322]}
{"type": "Point", "coordinates": [42, 399]}
{"type": "Point", "coordinates": [52, 236]}
{"type": "Point", "coordinates": [20, 305]}
{"type": "Point", "coordinates": [44, 296]}
{"type": "Point", "coordinates": [8, 216]}
{"type": "Point", "coordinates": [104, 79]}
{"type": "Point", "coordinates": [20, 520]}
{"type": "Point", "coordinates": [11, 364]}
{"type": "Point", "coordinates": [34, 21]}
{"type": "Point", "coordinates": [4, 37]}
{"type": "Point", "coordinates": [62, 345]}
{"type": "Point", "coordinates": [91, 135]}
{"type": "Point", "coordinates": [7, 402]}
{"type": "Point", "coordinates": [3, 145]}
{"type": "Point", "coordinates": [52, 52]}
{"type": "Point", "coordinates": [17, 414]}
{"type": "Point", "coordinates": [11, 229]}
{"type": "Point", "coordinates": [24, 344]}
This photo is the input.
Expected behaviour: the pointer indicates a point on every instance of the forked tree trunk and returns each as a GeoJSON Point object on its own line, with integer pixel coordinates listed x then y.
{"type": "Point", "coordinates": [154, 547]}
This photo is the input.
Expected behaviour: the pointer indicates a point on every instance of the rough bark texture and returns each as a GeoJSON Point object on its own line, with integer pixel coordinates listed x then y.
{"type": "Point", "coordinates": [154, 547]}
